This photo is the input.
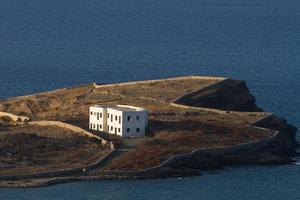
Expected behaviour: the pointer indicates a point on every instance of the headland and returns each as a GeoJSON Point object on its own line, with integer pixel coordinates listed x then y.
{"type": "Point", "coordinates": [195, 123]}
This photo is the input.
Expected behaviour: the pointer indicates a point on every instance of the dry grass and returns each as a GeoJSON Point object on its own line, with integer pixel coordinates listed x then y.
{"type": "Point", "coordinates": [43, 131]}
{"type": "Point", "coordinates": [72, 103]}
{"type": "Point", "coordinates": [6, 121]}
{"type": "Point", "coordinates": [29, 149]}
{"type": "Point", "coordinates": [174, 137]}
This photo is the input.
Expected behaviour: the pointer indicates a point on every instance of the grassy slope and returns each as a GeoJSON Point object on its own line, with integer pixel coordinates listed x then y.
{"type": "Point", "coordinates": [29, 149]}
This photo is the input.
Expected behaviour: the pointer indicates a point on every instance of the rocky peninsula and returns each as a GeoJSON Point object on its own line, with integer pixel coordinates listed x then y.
{"type": "Point", "coordinates": [195, 123]}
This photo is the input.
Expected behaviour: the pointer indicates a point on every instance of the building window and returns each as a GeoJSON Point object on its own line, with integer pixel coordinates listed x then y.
{"type": "Point", "coordinates": [137, 130]}
{"type": "Point", "coordinates": [91, 125]}
{"type": "Point", "coordinates": [100, 115]}
{"type": "Point", "coordinates": [97, 126]}
{"type": "Point", "coordinates": [111, 118]}
{"type": "Point", "coordinates": [119, 130]}
{"type": "Point", "coordinates": [107, 115]}
{"type": "Point", "coordinates": [111, 128]}
{"type": "Point", "coordinates": [100, 126]}
{"type": "Point", "coordinates": [119, 119]}
{"type": "Point", "coordinates": [137, 118]}
{"type": "Point", "coordinates": [116, 118]}
{"type": "Point", "coordinates": [91, 113]}
{"type": "Point", "coordinates": [128, 130]}
{"type": "Point", "coordinates": [94, 126]}
{"type": "Point", "coordinates": [97, 116]}
{"type": "Point", "coordinates": [129, 118]}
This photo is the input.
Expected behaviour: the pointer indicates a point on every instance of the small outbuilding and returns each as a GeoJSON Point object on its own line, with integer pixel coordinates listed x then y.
{"type": "Point", "coordinates": [121, 120]}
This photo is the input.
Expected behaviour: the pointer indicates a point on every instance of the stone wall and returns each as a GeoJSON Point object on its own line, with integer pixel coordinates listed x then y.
{"type": "Point", "coordinates": [160, 80]}
{"type": "Point", "coordinates": [160, 170]}
{"type": "Point", "coordinates": [60, 173]}
{"type": "Point", "coordinates": [45, 93]}
{"type": "Point", "coordinates": [71, 127]}
{"type": "Point", "coordinates": [188, 157]}
{"type": "Point", "coordinates": [193, 108]}
{"type": "Point", "coordinates": [177, 102]}
{"type": "Point", "coordinates": [15, 118]}
{"type": "Point", "coordinates": [219, 82]}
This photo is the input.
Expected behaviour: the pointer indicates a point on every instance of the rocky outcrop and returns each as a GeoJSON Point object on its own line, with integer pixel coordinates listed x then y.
{"type": "Point", "coordinates": [229, 94]}
{"type": "Point", "coordinates": [286, 143]}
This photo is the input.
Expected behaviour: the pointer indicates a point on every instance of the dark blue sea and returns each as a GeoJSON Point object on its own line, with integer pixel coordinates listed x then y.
{"type": "Point", "coordinates": [48, 44]}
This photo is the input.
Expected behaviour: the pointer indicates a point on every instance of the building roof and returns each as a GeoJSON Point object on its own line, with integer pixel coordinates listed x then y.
{"type": "Point", "coordinates": [123, 108]}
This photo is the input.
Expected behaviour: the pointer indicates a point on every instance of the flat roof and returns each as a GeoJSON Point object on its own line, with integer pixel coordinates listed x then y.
{"type": "Point", "coordinates": [121, 107]}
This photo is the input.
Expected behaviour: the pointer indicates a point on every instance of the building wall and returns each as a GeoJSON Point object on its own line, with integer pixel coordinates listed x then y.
{"type": "Point", "coordinates": [134, 123]}
{"type": "Point", "coordinates": [97, 118]}
{"type": "Point", "coordinates": [121, 123]}
{"type": "Point", "coordinates": [114, 121]}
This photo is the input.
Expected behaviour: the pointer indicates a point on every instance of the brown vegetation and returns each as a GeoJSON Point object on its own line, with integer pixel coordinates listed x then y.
{"type": "Point", "coordinates": [5, 121]}
{"type": "Point", "coordinates": [73, 103]}
{"type": "Point", "coordinates": [175, 137]}
{"type": "Point", "coordinates": [52, 148]}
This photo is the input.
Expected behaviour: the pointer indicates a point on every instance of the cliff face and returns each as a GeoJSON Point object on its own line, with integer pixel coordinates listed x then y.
{"type": "Point", "coordinates": [230, 94]}
{"type": "Point", "coordinates": [286, 143]}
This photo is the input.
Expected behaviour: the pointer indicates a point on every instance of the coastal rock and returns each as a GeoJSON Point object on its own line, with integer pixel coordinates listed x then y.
{"type": "Point", "coordinates": [230, 94]}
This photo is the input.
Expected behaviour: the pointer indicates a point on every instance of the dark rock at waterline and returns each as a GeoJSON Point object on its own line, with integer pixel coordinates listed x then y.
{"type": "Point", "coordinates": [230, 94]}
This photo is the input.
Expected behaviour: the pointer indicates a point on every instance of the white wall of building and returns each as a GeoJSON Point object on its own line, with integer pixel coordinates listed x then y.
{"type": "Point", "coordinates": [114, 121]}
{"type": "Point", "coordinates": [125, 122]}
{"type": "Point", "coordinates": [97, 118]}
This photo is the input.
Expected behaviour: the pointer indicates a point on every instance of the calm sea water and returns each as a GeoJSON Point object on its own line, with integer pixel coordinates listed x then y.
{"type": "Point", "coordinates": [47, 44]}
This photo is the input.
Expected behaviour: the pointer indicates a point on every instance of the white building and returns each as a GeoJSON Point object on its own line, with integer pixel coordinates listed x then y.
{"type": "Point", "coordinates": [121, 120]}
